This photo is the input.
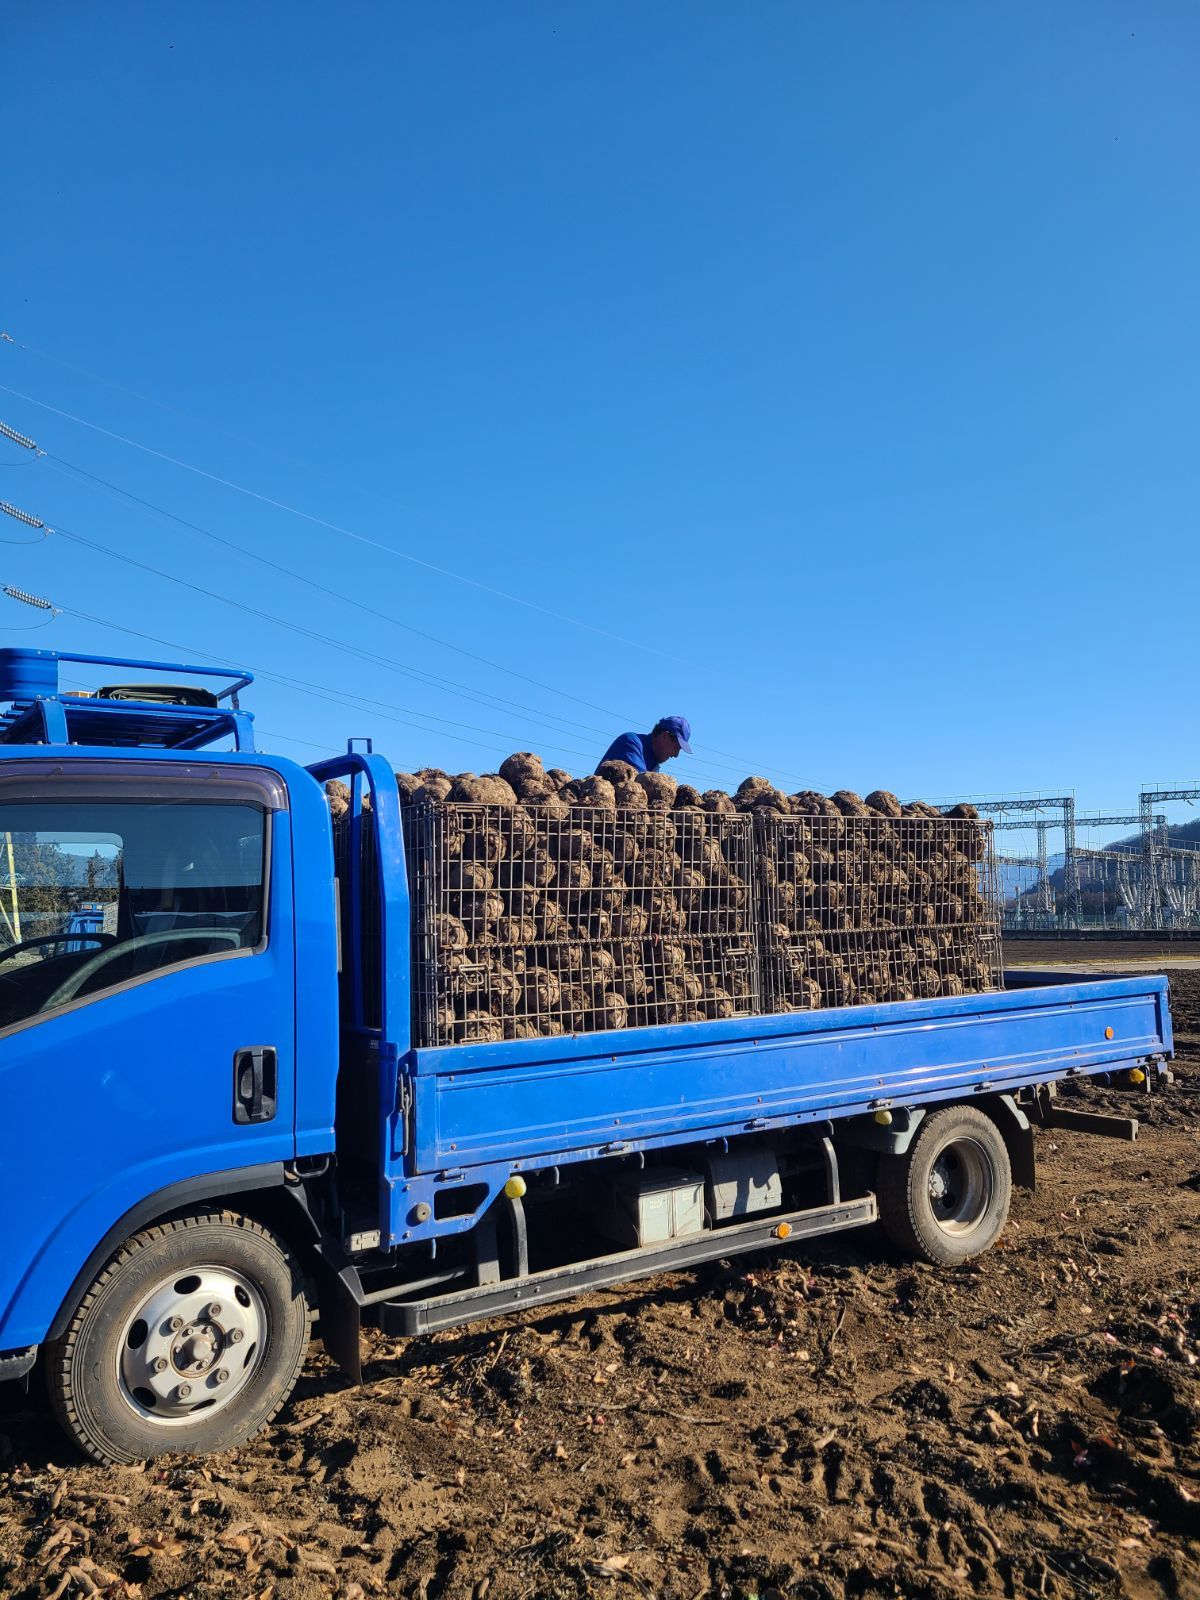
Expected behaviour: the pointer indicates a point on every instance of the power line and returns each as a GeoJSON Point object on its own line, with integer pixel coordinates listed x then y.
{"type": "Point", "coordinates": [31, 627]}
{"type": "Point", "coordinates": [241, 438]}
{"type": "Point", "coordinates": [267, 616]}
{"type": "Point", "coordinates": [481, 697]}
{"type": "Point", "coordinates": [59, 462]}
{"type": "Point", "coordinates": [321, 691]}
{"type": "Point", "coordinates": [385, 710]}
{"type": "Point", "coordinates": [276, 566]}
{"type": "Point", "coordinates": [148, 400]}
{"type": "Point", "coordinates": [376, 708]}
{"type": "Point", "coordinates": [336, 527]}
{"type": "Point", "coordinates": [287, 738]}
{"type": "Point", "coordinates": [420, 675]}
{"type": "Point", "coordinates": [238, 437]}
{"type": "Point", "coordinates": [372, 657]}
{"type": "Point", "coordinates": [293, 627]}
{"type": "Point", "coordinates": [350, 600]}
{"type": "Point", "coordinates": [381, 708]}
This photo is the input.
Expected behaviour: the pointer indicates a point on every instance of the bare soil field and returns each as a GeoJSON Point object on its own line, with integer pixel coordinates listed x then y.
{"type": "Point", "coordinates": [1163, 955]}
{"type": "Point", "coordinates": [832, 1423]}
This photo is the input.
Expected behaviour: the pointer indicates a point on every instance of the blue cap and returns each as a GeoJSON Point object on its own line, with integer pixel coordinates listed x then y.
{"type": "Point", "coordinates": [680, 727]}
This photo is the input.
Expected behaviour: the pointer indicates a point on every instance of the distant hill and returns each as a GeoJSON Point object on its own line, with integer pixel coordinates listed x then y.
{"type": "Point", "coordinates": [1184, 834]}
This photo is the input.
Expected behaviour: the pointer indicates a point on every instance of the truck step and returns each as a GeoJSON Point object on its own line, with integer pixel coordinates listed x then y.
{"type": "Point", "coordinates": [412, 1317]}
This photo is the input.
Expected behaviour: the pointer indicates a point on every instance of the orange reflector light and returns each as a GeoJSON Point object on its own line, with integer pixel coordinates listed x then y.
{"type": "Point", "coordinates": [1108, 1033]}
{"type": "Point", "coordinates": [783, 1231]}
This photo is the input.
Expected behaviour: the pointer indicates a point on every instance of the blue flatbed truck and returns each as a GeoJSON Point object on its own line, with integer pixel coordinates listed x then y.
{"type": "Point", "coordinates": [217, 1126]}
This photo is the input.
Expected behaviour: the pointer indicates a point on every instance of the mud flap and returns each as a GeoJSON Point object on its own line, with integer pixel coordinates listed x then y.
{"type": "Point", "coordinates": [340, 1319]}
{"type": "Point", "coordinates": [1017, 1132]}
{"type": "Point", "coordinates": [16, 1365]}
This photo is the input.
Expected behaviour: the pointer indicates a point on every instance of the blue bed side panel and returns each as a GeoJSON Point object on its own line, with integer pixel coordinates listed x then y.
{"type": "Point", "coordinates": [476, 1104]}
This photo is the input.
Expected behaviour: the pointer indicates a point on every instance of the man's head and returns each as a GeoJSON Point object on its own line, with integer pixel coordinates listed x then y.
{"type": "Point", "coordinates": [669, 736]}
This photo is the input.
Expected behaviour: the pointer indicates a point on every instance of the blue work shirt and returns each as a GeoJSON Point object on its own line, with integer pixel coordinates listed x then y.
{"type": "Point", "coordinates": [635, 749]}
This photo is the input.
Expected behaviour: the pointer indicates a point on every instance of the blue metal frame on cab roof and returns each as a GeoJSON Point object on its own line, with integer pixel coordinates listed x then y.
{"type": "Point", "coordinates": [42, 713]}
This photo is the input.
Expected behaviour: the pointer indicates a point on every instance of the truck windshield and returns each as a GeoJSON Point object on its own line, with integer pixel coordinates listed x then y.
{"type": "Point", "coordinates": [94, 894]}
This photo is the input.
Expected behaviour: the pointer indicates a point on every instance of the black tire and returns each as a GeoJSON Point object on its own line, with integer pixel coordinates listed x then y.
{"type": "Point", "coordinates": [946, 1198]}
{"type": "Point", "coordinates": [217, 1379]}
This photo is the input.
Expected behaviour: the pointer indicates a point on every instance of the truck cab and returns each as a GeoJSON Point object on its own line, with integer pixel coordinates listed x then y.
{"type": "Point", "coordinates": [168, 964]}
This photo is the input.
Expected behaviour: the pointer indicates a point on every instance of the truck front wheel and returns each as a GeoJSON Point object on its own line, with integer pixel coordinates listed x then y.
{"type": "Point", "coordinates": [946, 1198]}
{"type": "Point", "coordinates": [190, 1339]}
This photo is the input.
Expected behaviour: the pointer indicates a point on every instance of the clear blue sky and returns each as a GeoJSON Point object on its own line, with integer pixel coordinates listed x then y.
{"type": "Point", "coordinates": [839, 359]}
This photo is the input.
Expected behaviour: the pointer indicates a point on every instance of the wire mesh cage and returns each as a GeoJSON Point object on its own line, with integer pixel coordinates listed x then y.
{"type": "Point", "coordinates": [861, 909]}
{"type": "Point", "coordinates": [529, 924]}
{"type": "Point", "coordinates": [532, 921]}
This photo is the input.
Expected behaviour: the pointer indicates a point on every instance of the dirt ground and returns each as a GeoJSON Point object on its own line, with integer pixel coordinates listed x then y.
{"type": "Point", "coordinates": [831, 1423]}
{"type": "Point", "coordinates": [1166, 955]}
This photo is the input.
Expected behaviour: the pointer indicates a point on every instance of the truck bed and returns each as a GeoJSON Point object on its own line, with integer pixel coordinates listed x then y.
{"type": "Point", "coordinates": [534, 1102]}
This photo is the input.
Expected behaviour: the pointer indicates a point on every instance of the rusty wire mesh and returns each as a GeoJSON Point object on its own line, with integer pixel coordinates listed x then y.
{"type": "Point", "coordinates": [527, 924]}
{"type": "Point", "coordinates": [860, 909]}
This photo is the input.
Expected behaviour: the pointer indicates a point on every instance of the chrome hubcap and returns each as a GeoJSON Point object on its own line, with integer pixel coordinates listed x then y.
{"type": "Point", "coordinates": [960, 1186]}
{"type": "Point", "coordinates": [192, 1344]}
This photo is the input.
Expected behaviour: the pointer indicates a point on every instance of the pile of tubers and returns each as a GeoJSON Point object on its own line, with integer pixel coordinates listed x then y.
{"type": "Point", "coordinates": [545, 904]}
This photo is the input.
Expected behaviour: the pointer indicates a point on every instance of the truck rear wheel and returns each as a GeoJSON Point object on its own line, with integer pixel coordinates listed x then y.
{"type": "Point", "coordinates": [190, 1339]}
{"type": "Point", "coordinates": [946, 1198]}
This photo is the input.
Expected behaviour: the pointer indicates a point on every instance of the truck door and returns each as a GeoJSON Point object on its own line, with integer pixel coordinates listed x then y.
{"type": "Point", "coordinates": [157, 1045]}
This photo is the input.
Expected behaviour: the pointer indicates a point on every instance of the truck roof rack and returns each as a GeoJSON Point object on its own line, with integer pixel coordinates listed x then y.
{"type": "Point", "coordinates": [169, 717]}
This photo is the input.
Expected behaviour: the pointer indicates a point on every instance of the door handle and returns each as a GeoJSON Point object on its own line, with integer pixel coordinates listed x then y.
{"type": "Point", "coordinates": [255, 1083]}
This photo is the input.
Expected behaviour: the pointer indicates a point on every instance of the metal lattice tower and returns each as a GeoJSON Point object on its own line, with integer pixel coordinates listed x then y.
{"type": "Point", "coordinates": [1028, 812]}
{"type": "Point", "coordinates": [1045, 895]}
{"type": "Point", "coordinates": [1156, 857]}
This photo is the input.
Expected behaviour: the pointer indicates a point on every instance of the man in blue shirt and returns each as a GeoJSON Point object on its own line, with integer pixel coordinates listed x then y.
{"type": "Point", "coordinates": [646, 752]}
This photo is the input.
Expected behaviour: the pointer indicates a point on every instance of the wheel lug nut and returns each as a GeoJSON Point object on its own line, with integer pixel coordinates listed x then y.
{"type": "Point", "coordinates": [236, 1336]}
{"type": "Point", "coordinates": [183, 1391]}
{"type": "Point", "coordinates": [222, 1375]}
{"type": "Point", "coordinates": [175, 1324]}
{"type": "Point", "coordinates": [160, 1364]}
{"type": "Point", "coordinates": [214, 1310]}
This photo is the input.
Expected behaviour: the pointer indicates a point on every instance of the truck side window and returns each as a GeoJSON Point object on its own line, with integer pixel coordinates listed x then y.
{"type": "Point", "coordinates": [97, 893]}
